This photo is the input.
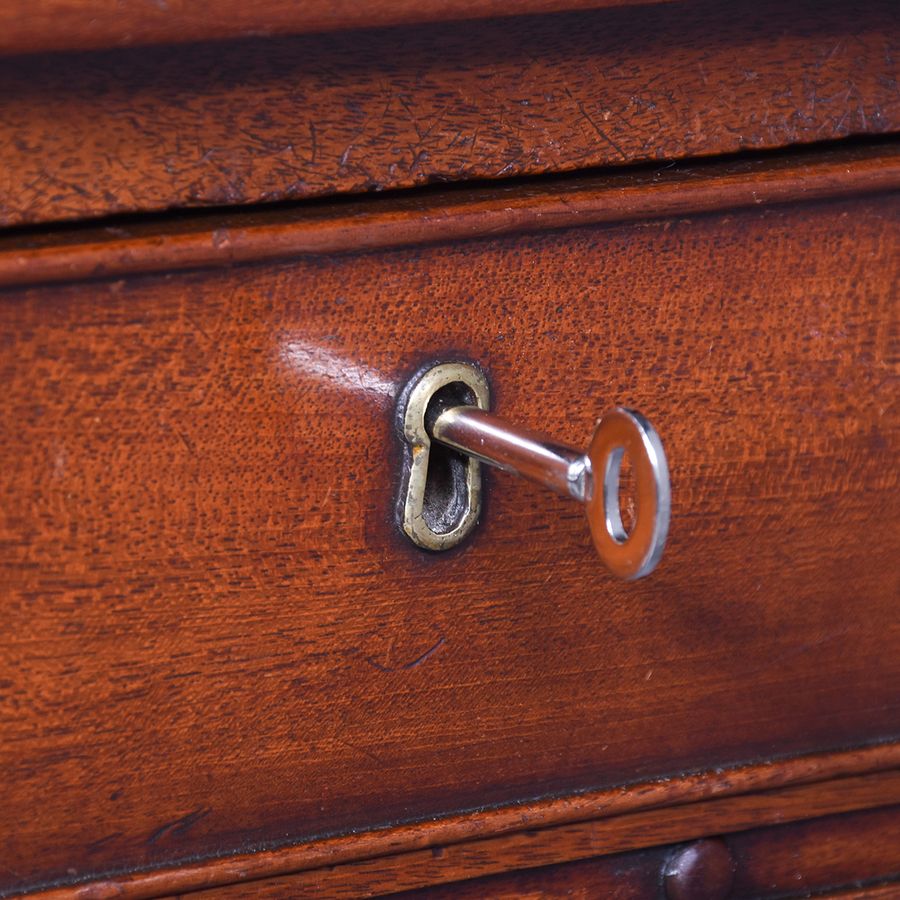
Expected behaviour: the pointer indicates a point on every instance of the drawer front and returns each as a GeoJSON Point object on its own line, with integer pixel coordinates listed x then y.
{"type": "Point", "coordinates": [246, 122]}
{"type": "Point", "coordinates": [216, 636]}
{"type": "Point", "coordinates": [795, 860]}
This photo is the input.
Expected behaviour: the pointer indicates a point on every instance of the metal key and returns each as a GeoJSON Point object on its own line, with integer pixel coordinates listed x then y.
{"type": "Point", "coordinates": [591, 477]}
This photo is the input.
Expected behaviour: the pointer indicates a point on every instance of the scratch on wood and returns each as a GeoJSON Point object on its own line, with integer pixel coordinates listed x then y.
{"type": "Point", "coordinates": [410, 665]}
{"type": "Point", "coordinates": [358, 749]}
{"type": "Point", "coordinates": [601, 132]}
{"type": "Point", "coordinates": [179, 826]}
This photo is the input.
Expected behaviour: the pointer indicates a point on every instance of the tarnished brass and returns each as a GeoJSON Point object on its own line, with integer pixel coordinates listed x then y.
{"type": "Point", "coordinates": [439, 508]}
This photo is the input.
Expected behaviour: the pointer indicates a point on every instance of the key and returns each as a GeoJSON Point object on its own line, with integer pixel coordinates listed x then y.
{"type": "Point", "coordinates": [591, 477]}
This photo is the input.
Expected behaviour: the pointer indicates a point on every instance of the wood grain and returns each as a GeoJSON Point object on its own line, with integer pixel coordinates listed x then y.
{"type": "Point", "coordinates": [27, 26]}
{"type": "Point", "coordinates": [814, 856]}
{"type": "Point", "coordinates": [823, 862]}
{"type": "Point", "coordinates": [169, 244]}
{"type": "Point", "coordinates": [216, 640]}
{"type": "Point", "coordinates": [620, 876]}
{"type": "Point", "coordinates": [804, 775]}
{"type": "Point", "coordinates": [247, 122]}
{"type": "Point", "coordinates": [781, 861]}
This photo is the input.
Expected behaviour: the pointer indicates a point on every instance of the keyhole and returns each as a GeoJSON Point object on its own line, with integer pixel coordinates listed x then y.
{"type": "Point", "coordinates": [446, 493]}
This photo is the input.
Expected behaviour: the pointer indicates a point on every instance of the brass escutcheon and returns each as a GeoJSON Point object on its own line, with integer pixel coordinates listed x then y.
{"type": "Point", "coordinates": [437, 510]}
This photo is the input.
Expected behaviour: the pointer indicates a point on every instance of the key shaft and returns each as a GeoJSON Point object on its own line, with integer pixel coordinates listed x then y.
{"type": "Point", "coordinates": [492, 440]}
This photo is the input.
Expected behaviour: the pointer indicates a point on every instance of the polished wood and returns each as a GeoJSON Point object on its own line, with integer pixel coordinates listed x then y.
{"type": "Point", "coordinates": [479, 831]}
{"type": "Point", "coordinates": [175, 243]}
{"type": "Point", "coordinates": [248, 122]}
{"type": "Point", "coordinates": [529, 849]}
{"type": "Point", "coordinates": [818, 856]}
{"type": "Point", "coordinates": [27, 26]}
{"type": "Point", "coordinates": [620, 876]}
{"type": "Point", "coordinates": [216, 639]}
{"type": "Point", "coordinates": [814, 856]}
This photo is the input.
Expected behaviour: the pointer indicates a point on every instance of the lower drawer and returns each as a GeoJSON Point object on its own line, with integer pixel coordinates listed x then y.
{"type": "Point", "coordinates": [217, 638]}
{"type": "Point", "coordinates": [859, 850]}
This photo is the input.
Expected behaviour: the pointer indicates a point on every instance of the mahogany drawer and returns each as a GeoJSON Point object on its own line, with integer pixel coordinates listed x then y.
{"type": "Point", "coordinates": [216, 638]}
{"type": "Point", "coordinates": [856, 852]}
{"type": "Point", "coordinates": [298, 116]}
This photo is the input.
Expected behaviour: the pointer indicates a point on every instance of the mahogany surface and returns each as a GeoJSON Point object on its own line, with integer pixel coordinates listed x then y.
{"type": "Point", "coordinates": [818, 854]}
{"type": "Point", "coordinates": [216, 639]}
{"type": "Point", "coordinates": [466, 845]}
{"type": "Point", "coordinates": [27, 26]}
{"type": "Point", "coordinates": [177, 242]}
{"type": "Point", "coordinates": [530, 848]}
{"type": "Point", "coordinates": [246, 122]}
{"type": "Point", "coordinates": [781, 861]}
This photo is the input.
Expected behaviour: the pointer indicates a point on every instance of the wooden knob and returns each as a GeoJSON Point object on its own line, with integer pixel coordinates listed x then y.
{"type": "Point", "coordinates": [702, 871]}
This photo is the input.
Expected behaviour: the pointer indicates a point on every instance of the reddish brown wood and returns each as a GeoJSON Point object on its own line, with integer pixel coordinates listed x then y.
{"type": "Point", "coordinates": [813, 856]}
{"type": "Point", "coordinates": [704, 870]}
{"type": "Point", "coordinates": [247, 122]}
{"type": "Point", "coordinates": [404, 220]}
{"type": "Point", "coordinates": [532, 848]}
{"type": "Point", "coordinates": [615, 879]}
{"type": "Point", "coordinates": [27, 26]}
{"type": "Point", "coordinates": [819, 855]}
{"type": "Point", "coordinates": [804, 774]}
{"type": "Point", "coordinates": [529, 849]}
{"type": "Point", "coordinates": [621, 876]}
{"type": "Point", "coordinates": [212, 628]}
